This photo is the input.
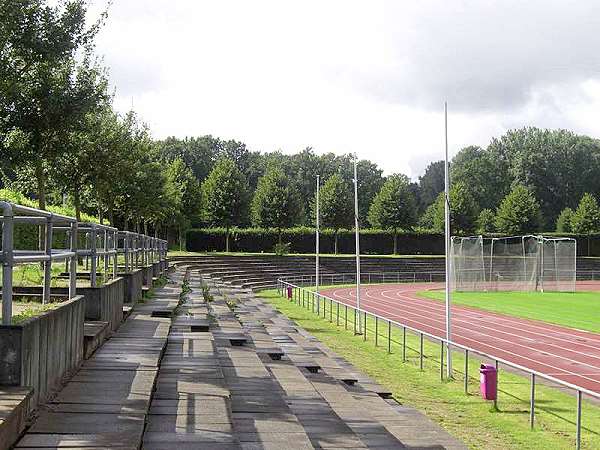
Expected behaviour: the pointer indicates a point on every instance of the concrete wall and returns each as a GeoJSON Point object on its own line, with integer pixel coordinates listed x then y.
{"type": "Point", "coordinates": [147, 274]}
{"type": "Point", "coordinates": [133, 285]}
{"type": "Point", "coordinates": [40, 351]}
{"type": "Point", "coordinates": [105, 302]}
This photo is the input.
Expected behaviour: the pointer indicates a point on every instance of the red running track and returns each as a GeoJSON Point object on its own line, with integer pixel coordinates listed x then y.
{"type": "Point", "coordinates": [564, 353]}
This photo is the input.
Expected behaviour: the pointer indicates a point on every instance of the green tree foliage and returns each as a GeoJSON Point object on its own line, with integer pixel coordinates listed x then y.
{"type": "Point", "coordinates": [276, 203]}
{"type": "Point", "coordinates": [336, 205]}
{"type": "Point", "coordinates": [557, 165]}
{"type": "Point", "coordinates": [394, 206]}
{"type": "Point", "coordinates": [431, 183]}
{"type": "Point", "coordinates": [225, 196]}
{"type": "Point", "coordinates": [486, 177]}
{"type": "Point", "coordinates": [519, 212]}
{"type": "Point", "coordinates": [564, 221]}
{"type": "Point", "coordinates": [45, 91]}
{"type": "Point", "coordinates": [463, 210]}
{"type": "Point", "coordinates": [186, 197]}
{"type": "Point", "coordinates": [586, 218]}
{"type": "Point", "coordinates": [486, 221]}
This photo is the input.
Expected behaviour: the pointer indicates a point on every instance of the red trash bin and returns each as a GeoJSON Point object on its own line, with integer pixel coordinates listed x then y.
{"type": "Point", "coordinates": [488, 381]}
{"type": "Point", "coordinates": [289, 292]}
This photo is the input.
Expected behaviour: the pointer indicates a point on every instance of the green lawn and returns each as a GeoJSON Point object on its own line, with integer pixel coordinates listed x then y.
{"type": "Point", "coordinates": [572, 309]}
{"type": "Point", "coordinates": [467, 417]}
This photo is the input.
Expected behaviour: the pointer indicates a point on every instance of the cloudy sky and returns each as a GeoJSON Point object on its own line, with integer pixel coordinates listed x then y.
{"type": "Point", "coordinates": [368, 77]}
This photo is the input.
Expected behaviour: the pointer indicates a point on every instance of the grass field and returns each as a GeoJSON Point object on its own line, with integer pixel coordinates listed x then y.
{"type": "Point", "coordinates": [576, 310]}
{"type": "Point", "coordinates": [466, 416]}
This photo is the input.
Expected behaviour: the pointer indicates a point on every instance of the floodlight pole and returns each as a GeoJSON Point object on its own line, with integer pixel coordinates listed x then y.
{"type": "Point", "coordinates": [357, 239]}
{"type": "Point", "coordinates": [447, 244]}
{"type": "Point", "coordinates": [317, 240]}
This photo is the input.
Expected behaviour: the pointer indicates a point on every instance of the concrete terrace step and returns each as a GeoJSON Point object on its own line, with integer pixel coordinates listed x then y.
{"type": "Point", "coordinates": [266, 396]}
{"type": "Point", "coordinates": [106, 402]}
{"type": "Point", "coordinates": [14, 407]}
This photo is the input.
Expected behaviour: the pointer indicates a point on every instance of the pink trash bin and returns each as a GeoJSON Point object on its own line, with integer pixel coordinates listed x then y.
{"type": "Point", "coordinates": [289, 292]}
{"type": "Point", "coordinates": [488, 382]}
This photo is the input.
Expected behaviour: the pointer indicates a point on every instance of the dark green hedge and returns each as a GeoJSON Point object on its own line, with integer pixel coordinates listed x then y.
{"type": "Point", "coordinates": [302, 240]}
{"type": "Point", "coordinates": [372, 242]}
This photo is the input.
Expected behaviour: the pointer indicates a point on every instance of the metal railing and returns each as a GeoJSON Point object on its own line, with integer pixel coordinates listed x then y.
{"type": "Point", "coordinates": [100, 243]}
{"type": "Point", "coordinates": [317, 303]}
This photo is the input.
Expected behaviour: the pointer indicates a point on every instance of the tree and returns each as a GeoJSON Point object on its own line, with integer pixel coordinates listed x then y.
{"type": "Point", "coordinates": [276, 203]}
{"type": "Point", "coordinates": [558, 166]}
{"type": "Point", "coordinates": [519, 212]}
{"type": "Point", "coordinates": [394, 206]}
{"type": "Point", "coordinates": [336, 205]}
{"type": "Point", "coordinates": [485, 221]}
{"type": "Point", "coordinates": [186, 195]}
{"type": "Point", "coordinates": [586, 218]}
{"type": "Point", "coordinates": [487, 178]}
{"type": "Point", "coordinates": [45, 91]}
{"type": "Point", "coordinates": [463, 210]}
{"type": "Point", "coordinates": [564, 221]}
{"type": "Point", "coordinates": [225, 197]}
{"type": "Point", "coordinates": [431, 183]}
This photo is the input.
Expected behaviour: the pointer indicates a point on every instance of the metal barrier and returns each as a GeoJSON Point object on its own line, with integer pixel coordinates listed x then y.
{"type": "Point", "coordinates": [317, 303]}
{"type": "Point", "coordinates": [101, 242]}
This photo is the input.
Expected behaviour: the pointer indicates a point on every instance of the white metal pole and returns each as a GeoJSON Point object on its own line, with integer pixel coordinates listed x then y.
{"type": "Point", "coordinates": [357, 238]}
{"type": "Point", "coordinates": [447, 245]}
{"type": "Point", "coordinates": [317, 240]}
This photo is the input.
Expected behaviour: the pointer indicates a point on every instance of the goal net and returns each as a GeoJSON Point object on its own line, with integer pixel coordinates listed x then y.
{"type": "Point", "coordinates": [518, 263]}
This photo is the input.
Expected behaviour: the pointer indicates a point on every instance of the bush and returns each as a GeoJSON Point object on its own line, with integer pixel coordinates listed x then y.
{"type": "Point", "coordinates": [302, 240]}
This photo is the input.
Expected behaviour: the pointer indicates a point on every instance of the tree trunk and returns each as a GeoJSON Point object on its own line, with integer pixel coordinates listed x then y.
{"type": "Point", "coordinates": [395, 242]}
{"type": "Point", "coordinates": [180, 238]}
{"type": "Point", "coordinates": [77, 202]}
{"type": "Point", "coordinates": [41, 184]}
{"type": "Point", "coordinates": [335, 242]}
{"type": "Point", "coordinates": [279, 236]}
{"type": "Point", "coordinates": [111, 217]}
{"type": "Point", "coordinates": [126, 224]}
{"type": "Point", "coordinates": [227, 240]}
{"type": "Point", "coordinates": [41, 191]}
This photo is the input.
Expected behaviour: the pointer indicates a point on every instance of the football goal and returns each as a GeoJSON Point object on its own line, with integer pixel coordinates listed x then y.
{"type": "Point", "coordinates": [516, 263]}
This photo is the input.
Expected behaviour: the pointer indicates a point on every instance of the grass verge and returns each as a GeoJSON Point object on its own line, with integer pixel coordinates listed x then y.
{"type": "Point", "coordinates": [467, 417]}
{"type": "Point", "coordinates": [572, 309]}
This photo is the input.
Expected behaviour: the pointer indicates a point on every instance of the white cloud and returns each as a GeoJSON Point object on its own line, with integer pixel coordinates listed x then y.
{"type": "Point", "coordinates": [355, 76]}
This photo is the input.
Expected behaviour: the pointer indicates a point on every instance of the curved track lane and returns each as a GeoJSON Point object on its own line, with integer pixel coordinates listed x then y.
{"type": "Point", "coordinates": [567, 354]}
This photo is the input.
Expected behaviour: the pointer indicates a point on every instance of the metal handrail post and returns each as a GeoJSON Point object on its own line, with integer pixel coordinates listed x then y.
{"type": "Point", "coordinates": [73, 266]}
{"type": "Point", "coordinates": [105, 256]}
{"type": "Point", "coordinates": [93, 255]}
{"type": "Point", "coordinates": [126, 250]}
{"type": "Point", "coordinates": [48, 263]}
{"type": "Point", "coordinates": [7, 261]}
{"type": "Point", "coordinates": [115, 245]}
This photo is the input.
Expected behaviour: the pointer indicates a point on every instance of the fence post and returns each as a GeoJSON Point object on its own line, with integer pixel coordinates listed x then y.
{"type": "Point", "coordinates": [403, 344]}
{"type": "Point", "coordinates": [346, 317]}
{"type": "Point", "coordinates": [337, 314]}
{"type": "Point", "coordinates": [48, 263]}
{"type": "Point", "coordinates": [365, 325]}
{"type": "Point", "coordinates": [7, 262]}
{"type": "Point", "coordinates": [73, 264]}
{"type": "Point", "coordinates": [94, 265]}
{"type": "Point", "coordinates": [376, 331]}
{"type": "Point", "coordinates": [389, 336]}
{"type": "Point", "coordinates": [441, 360]}
{"type": "Point", "coordinates": [532, 402]}
{"type": "Point", "coordinates": [497, 383]}
{"type": "Point", "coordinates": [466, 371]}
{"type": "Point", "coordinates": [578, 435]}
{"type": "Point", "coordinates": [421, 352]}
{"type": "Point", "coordinates": [330, 310]}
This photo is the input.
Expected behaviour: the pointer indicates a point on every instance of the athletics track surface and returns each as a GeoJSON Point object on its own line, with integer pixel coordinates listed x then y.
{"type": "Point", "coordinates": [564, 353]}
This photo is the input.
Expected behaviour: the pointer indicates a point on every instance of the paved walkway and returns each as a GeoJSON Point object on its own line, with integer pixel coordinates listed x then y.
{"type": "Point", "coordinates": [219, 379]}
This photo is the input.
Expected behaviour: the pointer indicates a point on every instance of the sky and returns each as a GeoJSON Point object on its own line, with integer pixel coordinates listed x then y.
{"type": "Point", "coordinates": [366, 77]}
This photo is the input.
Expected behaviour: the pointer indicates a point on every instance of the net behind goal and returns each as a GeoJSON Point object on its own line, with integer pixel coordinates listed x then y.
{"type": "Point", "coordinates": [519, 263]}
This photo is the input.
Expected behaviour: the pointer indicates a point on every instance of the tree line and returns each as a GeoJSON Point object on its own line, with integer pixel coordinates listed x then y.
{"type": "Point", "coordinates": [62, 142]}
